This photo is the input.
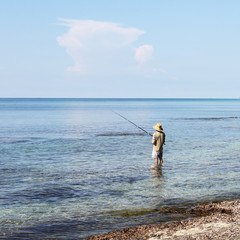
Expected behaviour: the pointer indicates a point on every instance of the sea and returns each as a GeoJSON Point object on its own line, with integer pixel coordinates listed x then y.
{"type": "Point", "coordinates": [71, 168]}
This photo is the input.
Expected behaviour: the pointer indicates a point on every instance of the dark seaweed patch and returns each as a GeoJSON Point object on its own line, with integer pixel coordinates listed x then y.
{"type": "Point", "coordinates": [120, 134]}
{"type": "Point", "coordinates": [208, 118]}
{"type": "Point", "coordinates": [46, 194]}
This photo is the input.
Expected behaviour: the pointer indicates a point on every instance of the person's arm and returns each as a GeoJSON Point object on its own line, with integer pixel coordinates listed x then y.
{"type": "Point", "coordinates": [154, 140]}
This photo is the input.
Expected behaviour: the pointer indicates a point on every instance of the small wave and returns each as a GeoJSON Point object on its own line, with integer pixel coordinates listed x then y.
{"type": "Point", "coordinates": [112, 193]}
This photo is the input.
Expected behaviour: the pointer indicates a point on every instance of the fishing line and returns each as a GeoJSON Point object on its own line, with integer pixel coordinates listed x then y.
{"type": "Point", "coordinates": [133, 123]}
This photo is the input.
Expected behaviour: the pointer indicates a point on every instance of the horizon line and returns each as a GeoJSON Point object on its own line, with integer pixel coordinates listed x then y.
{"type": "Point", "coordinates": [119, 98]}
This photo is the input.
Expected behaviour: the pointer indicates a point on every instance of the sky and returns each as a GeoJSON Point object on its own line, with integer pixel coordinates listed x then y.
{"type": "Point", "coordinates": [119, 49]}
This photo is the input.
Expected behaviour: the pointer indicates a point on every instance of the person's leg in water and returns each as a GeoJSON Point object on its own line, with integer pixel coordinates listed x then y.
{"type": "Point", "coordinates": [161, 161]}
{"type": "Point", "coordinates": [156, 161]}
{"type": "Point", "coordinates": [160, 156]}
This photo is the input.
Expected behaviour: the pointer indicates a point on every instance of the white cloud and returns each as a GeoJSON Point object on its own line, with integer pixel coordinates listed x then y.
{"type": "Point", "coordinates": [102, 47]}
{"type": "Point", "coordinates": [143, 53]}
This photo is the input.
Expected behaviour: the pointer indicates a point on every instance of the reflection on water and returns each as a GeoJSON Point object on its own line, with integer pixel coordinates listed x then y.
{"type": "Point", "coordinates": [156, 171]}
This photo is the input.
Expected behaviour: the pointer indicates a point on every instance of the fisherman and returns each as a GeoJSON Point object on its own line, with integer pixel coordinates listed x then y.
{"type": "Point", "coordinates": [158, 140]}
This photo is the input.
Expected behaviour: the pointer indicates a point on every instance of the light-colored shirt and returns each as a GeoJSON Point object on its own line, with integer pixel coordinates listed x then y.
{"type": "Point", "coordinates": [158, 140]}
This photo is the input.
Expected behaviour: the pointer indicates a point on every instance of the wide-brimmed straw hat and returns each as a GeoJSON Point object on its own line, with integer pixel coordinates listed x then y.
{"type": "Point", "coordinates": [158, 127]}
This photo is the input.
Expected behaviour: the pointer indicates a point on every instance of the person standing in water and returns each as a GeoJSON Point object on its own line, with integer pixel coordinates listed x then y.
{"type": "Point", "coordinates": [158, 140]}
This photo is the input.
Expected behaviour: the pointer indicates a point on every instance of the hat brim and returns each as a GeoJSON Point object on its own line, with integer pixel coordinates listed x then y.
{"type": "Point", "coordinates": [157, 128]}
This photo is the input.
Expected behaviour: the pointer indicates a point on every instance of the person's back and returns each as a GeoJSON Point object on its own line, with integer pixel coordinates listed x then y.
{"type": "Point", "coordinates": [158, 140]}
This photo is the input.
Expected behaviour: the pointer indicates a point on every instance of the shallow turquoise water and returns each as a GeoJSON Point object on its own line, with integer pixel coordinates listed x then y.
{"type": "Point", "coordinates": [67, 172]}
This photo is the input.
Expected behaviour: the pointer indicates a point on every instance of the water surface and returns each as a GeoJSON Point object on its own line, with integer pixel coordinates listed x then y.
{"type": "Point", "coordinates": [71, 168]}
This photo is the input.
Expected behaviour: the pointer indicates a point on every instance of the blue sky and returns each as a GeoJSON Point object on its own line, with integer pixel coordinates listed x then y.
{"type": "Point", "coordinates": [133, 48]}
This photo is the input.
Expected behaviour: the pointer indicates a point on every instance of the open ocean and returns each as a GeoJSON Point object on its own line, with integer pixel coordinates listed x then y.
{"type": "Point", "coordinates": [70, 168]}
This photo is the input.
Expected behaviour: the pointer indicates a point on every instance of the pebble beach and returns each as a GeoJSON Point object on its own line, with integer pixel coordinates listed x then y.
{"type": "Point", "coordinates": [210, 221]}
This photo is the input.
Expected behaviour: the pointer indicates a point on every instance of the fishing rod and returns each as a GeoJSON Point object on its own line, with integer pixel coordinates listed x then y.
{"type": "Point", "coordinates": [133, 123]}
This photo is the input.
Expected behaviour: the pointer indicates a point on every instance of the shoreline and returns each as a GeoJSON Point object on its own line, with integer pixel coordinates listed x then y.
{"type": "Point", "coordinates": [219, 220]}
